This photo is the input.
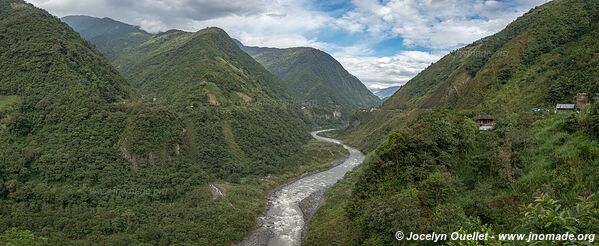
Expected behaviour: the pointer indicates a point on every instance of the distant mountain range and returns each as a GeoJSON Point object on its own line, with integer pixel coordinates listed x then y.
{"type": "Point", "coordinates": [111, 37]}
{"type": "Point", "coordinates": [385, 93]}
{"type": "Point", "coordinates": [327, 92]}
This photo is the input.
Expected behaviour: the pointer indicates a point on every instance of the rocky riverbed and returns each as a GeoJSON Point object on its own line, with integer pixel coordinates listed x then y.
{"type": "Point", "coordinates": [291, 205]}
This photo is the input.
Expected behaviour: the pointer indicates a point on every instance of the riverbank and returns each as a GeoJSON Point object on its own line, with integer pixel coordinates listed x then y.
{"type": "Point", "coordinates": [259, 236]}
{"type": "Point", "coordinates": [291, 205]}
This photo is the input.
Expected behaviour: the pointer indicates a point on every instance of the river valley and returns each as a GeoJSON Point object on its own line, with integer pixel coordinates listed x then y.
{"type": "Point", "coordinates": [284, 221]}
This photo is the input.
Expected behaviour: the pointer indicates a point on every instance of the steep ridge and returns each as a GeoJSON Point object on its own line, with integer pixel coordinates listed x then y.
{"type": "Point", "coordinates": [225, 96]}
{"type": "Point", "coordinates": [176, 64]}
{"type": "Point", "coordinates": [385, 93]}
{"type": "Point", "coordinates": [111, 37]}
{"type": "Point", "coordinates": [325, 90]}
{"type": "Point", "coordinates": [86, 159]}
{"type": "Point", "coordinates": [433, 170]}
{"type": "Point", "coordinates": [542, 58]}
{"type": "Point", "coordinates": [316, 78]}
{"type": "Point", "coordinates": [64, 88]}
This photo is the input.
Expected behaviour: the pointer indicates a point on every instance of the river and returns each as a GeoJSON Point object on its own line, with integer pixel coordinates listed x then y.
{"type": "Point", "coordinates": [283, 222]}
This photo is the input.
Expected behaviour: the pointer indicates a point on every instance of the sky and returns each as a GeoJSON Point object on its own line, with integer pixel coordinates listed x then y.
{"type": "Point", "coordinates": [382, 42]}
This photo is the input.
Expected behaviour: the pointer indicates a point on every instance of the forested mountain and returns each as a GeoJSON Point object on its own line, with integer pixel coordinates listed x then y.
{"type": "Point", "coordinates": [327, 92]}
{"type": "Point", "coordinates": [227, 98]}
{"type": "Point", "coordinates": [85, 158]}
{"type": "Point", "coordinates": [536, 171]}
{"type": "Point", "coordinates": [205, 67]}
{"type": "Point", "coordinates": [316, 78]}
{"type": "Point", "coordinates": [111, 37]}
{"type": "Point", "coordinates": [385, 93]}
{"type": "Point", "coordinates": [542, 58]}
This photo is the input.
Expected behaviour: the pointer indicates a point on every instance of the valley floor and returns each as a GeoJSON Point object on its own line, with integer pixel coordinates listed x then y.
{"type": "Point", "coordinates": [217, 213]}
{"type": "Point", "coordinates": [291, 205]}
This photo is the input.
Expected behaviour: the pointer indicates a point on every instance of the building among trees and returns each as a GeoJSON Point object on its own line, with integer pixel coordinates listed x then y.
{"type": "Point", "coordinates": [565, 108]}
{"type": "Point", "coordinates": [485, 122]}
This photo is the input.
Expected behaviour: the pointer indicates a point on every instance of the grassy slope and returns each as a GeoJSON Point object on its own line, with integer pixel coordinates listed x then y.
{"type": "Point", "coordinates": [542, 58]}
{"type": "Point", "coordinates": [368, 129]}
{"type": "Point", "coordinates": [500, 174]}
{"type": "Point", "coordinates": [547, 56]}
{"type": "Point", "coordinates": [7, 101]}
{"type": "Point", "coordinates": [178, 65]}
{"type": "Point", "coordinates": [238, 111]}
{"type": "Point", "coordinates": [316, 78]}
{"type": "Point", "coordinates": [83, 161]}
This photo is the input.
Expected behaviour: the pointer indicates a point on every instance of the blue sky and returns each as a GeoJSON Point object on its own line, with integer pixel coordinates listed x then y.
{"type": "Point", "coordinates": [383, 42]}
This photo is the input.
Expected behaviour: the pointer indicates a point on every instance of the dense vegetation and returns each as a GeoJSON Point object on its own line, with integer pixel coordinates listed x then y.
{"type": "Point", "coordinates": [87, 159]}
{"type": "Point", "coordinates": [432, 170]}
{"type": "Point", "coordinates": [533, 173]}
{"type": "Point", "coordinates": [498, 75]}
{"type": "Point", "coordinates": [542, 58]}
{"type": "Point", "coordinates": [317, 79]}
{"type": "Point", "coordinates": [111, 37]}
{"type": "Point", "coordinates": [235, 113]}
{"type": "Point", "coordinates": [317, 82]}
{"type": "Point", "coordinates": [184, 68]}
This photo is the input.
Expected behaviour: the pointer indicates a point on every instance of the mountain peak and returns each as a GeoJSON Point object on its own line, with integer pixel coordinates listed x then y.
{"type": "Point", "coordinates": [316, 78]}
{"type": "Point", "coordinates": [215, 30]}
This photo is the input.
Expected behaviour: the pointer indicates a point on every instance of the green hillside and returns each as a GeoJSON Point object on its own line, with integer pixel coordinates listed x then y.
{"type": "Point", "coordinates": [431, 170]}
{"type": "Point", "coordinates": [225, 97]}
{"type": "Point", "coordinates": [317, 79]}
{"type": "Point", "coordinates": [542, 58]}
{"type": "Point", "coordinates": [182, 67]}
{"type": "Point", "coordinates": [533, 173]}
{"type": "Point", "coordinates": [111, 37]}
{"type": "Point", "coordinates": [87, 159]}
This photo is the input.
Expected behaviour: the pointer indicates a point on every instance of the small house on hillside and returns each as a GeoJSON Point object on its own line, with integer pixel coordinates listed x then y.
{"type": "Point", "coordinates": [565, 108]}
{"type": "Point", "coordinates": [485, 122]}
{"type": "Point", "coordinates": [336, 115]}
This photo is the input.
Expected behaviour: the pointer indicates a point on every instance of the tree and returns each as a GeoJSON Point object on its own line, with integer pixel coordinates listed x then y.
{"type": "Point", "coordinates": [16, 237]}
{"type": "Point", "coordinates": [547, 215]}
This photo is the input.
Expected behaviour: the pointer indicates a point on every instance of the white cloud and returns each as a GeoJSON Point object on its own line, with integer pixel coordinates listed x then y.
{"type": "Point", "coordinates": [437, 25]}
{"type": "Point", "coordinates": [382, 72]}
{"type": "Point", "coordinates": [153, 15]}
{"type": "Point", "coordinates": [283, 24]}
{"type": "Point", "coordinates": [279, 23]}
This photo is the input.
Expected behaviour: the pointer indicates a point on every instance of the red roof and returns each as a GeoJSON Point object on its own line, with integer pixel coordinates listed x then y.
{"type": "Point", "coordinates": [484, 117]}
